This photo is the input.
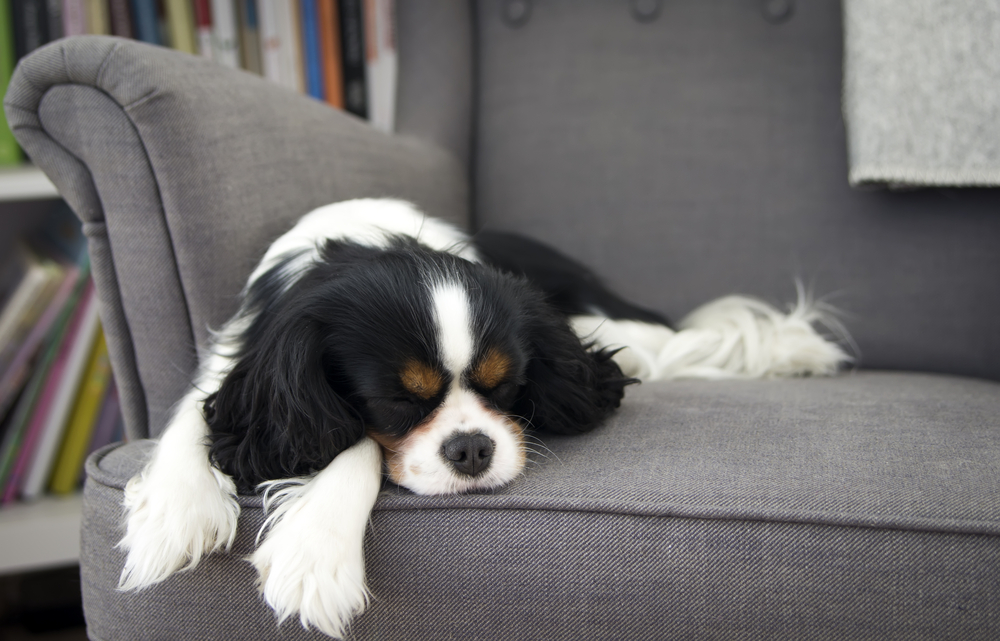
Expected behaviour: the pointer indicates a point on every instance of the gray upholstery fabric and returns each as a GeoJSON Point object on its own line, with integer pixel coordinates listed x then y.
{"type": "Point", "coordinates": [703, 154]}
{"type": "Point", "coordinates": [922, 92]}
{"type": "Point", "coordinates": [184, 172]}
{"type": "Point", "coordinates": [434, 100]}
{"type": "Point", "coordinates": [864, 506]}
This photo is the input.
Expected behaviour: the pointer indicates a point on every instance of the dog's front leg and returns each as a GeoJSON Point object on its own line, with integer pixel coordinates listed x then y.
{"type": "Point", "coordinates": [179, 507]}
{"type": "Point", "coordinates": [311, 560]}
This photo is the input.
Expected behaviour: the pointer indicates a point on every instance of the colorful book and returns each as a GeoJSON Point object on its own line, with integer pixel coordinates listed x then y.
{"type": "Point", "coordinates": [74, 17]}
{"type": "Point", "coordinates": [28, 403]}
{"type": "Point", "coordinates": [180, 25]}
{"type": "Point", "coordinates": [381, 63]}
{"type": "Point", "coordinates": [83, 420]}
{"type": "Point", "coordinates": [249, 36]}
{"type": "Point", "coordinates": [225, 33]}
{"type": "Point", "coordinates": [146, 22]}
{"type": "Point", "coordinates": [98, 18]}
{"type": "Point", "coordinates": [120, 15]}
{"type": "Point", "coordinates": [310, 49]}
{"type": "Point", "coordinates": [31, 24]}
{"type": "Point", "coordinates": [17, 322]}
{"type": "Point", "coordinates": [203, 26]}
{"type": "Point", "coordinates": [281, 50]}
{"type": "Point", "coordinates": [32, 279]}
{"type": "Point", "coordinates": [19, 368]}
{"type": "Point", "coordinates": [329, 40]}
{"type": "Point", "coordinates": [53, 9]}
{"type": "Point", "coordinates": [352, 42]}
{"type": "Point", "coordinates": [46, 427]}
{"type": "Point", "coordinates": [12, 269]}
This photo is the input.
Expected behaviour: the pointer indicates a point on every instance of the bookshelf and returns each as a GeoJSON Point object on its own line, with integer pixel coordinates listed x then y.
{"type": "Point", "coordinates": [18, 184]}
{"type": "Point", "coordinates": [40, 535]}
{"type": "Point", "coordinates": [44, 533]}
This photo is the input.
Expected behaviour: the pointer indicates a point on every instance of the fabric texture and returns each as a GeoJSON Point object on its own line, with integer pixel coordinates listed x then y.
{"type": "Point", "coordinates": [184, 172]}
{"type": "Point", "coordinates": [922, 92]}
{"type": "Point", "coordinates": [863, 506]}
{"type": "Point", "coordinates": [434, 101]}
{"type": "Point", "coordinates": [703, 154]}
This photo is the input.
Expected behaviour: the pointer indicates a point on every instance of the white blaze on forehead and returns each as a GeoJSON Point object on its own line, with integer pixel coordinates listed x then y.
{"type": "Point", "coordinates": [454, 325]}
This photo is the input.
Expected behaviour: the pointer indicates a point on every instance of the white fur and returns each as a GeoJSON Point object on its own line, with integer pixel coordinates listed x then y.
{"type": "Point", "coordinates": [311, 561]}
{"type": "Point", "coordinates": [371, 222]}
{"type": "Point", "coordinates": [179, 507]}
{"type": "Point", "coordinates": [732, 337]}
{"type": "Point", "coordinates": [454, 326]}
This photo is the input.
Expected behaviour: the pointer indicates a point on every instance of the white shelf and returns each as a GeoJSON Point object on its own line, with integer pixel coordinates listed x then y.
{"type": "Point", "coordinates": [41, 534]}
{"type": "Point", "coordinates": [25, 183]}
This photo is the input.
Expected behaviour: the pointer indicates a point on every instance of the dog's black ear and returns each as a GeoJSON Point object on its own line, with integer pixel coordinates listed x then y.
{"type": "Point", "coordinates": [570, 386]}
{"type": "Point", "coordinates": [276, 414]}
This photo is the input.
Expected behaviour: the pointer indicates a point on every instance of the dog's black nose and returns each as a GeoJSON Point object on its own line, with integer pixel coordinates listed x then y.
{"type": "Point", "coordinates": [469, 453]}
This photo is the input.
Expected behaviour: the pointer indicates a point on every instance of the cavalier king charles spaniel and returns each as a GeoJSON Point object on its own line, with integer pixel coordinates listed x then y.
{"type": "Point", "coordinates": [373, 339]}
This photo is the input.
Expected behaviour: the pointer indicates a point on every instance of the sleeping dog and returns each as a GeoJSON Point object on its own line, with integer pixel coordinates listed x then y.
{"type": "Point", "coordinates": [373, 339]}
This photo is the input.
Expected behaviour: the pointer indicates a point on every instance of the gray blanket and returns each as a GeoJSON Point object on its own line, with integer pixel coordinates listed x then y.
{"type": "Point", "coordinates": [922, 92]}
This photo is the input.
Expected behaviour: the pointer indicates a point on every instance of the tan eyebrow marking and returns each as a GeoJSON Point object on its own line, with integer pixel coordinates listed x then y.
{"type": "Point", "coordinates": [491, 369]}
{"type": "Point", "coordinates": [421, 379]}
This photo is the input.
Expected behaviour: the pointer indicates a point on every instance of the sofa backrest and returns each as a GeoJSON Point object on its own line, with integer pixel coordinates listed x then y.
{"type": "Point", "coordinates": [700, 151]}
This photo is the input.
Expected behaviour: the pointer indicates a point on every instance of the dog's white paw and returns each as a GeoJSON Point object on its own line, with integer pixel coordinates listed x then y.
{"type": "Point", "coordinates": [174, 517]}
{"type": "Point", "coordinates": [314, 572]}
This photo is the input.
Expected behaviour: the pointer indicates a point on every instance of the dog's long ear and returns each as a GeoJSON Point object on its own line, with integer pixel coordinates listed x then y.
{"type": "Point", "coordinates": [276, 414]}
{"type": "Point", "coordinates": [570, 387]}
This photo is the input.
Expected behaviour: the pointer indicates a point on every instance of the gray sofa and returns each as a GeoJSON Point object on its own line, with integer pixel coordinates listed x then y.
{"type": "Point", "coordinates": [683, 153]}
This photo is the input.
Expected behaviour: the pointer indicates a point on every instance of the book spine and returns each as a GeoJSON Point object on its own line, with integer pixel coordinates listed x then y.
{"type": "Point", "coordinates": [28, 403]}
{"type": "Point", "coordinates": [203, 21]}
{"type": "Point", "coordinates": [74, 17]}
{"type": "Point", "coordinates": [250, 36]}
{"type": "Point", "coordinates": [36, 471]}
{"type": "Point", "coordinates": [121, 18]}
{"type": "Point", "coordinates": [180, 18]}
{"type": "Point", "coordinates": [352, 40]}
{"type": "Point", "coordinates": [30, 25]}
{"type": "Point", "coordinates": [19, 301]}
{"type": "Point", "coordinates": [310, 49]}
{"type": "Point", "coordinates": [20, 365]}
{"type": "Point", "coordinates": [83, 421]}
{"type": "Point", "coordinates": [281, 51]}
{"type": "Point", "coordinates": [10, 152]}
{"type": "Point", "coordinates": [54, 395]}
{"type": "Point", "coordinates": [381, 65]}
{"type": "Point", "coordinates": [53, 10]}
{"type": "Point", "coordinates": [225, 34]}
{"type": "Point", "coordinates": [147, 27]}
{"type": "Point", "coordinates": [98, 17]}
{"type": "Point", "coordinates": [329, 32]}
{"type": "Point", "coordinates": [290, 15]}
{"type": "Point", "coordinates": [270, 41]}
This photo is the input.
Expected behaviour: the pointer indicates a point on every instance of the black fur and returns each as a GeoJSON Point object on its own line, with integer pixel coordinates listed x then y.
{"type": "Point", "coordinates": [320, 362]}
{"type": "Point", "coordinates": [569, 286]}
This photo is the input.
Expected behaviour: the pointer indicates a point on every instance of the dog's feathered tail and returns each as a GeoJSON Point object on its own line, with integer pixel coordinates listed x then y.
{"type": "Point", "coordinates": [732, 337]}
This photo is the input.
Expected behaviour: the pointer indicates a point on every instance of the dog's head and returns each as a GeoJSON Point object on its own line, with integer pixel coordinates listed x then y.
{"type": "Point", "coordinates": [444, 362]}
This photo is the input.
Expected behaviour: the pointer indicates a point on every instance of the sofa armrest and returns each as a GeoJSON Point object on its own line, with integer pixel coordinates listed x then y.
{"type": "Point", "coordinates": [183, 172]}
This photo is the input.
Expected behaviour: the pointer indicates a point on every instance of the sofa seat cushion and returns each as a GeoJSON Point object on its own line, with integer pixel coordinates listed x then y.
{"type": "Point", "coordinates": [861, 505]}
